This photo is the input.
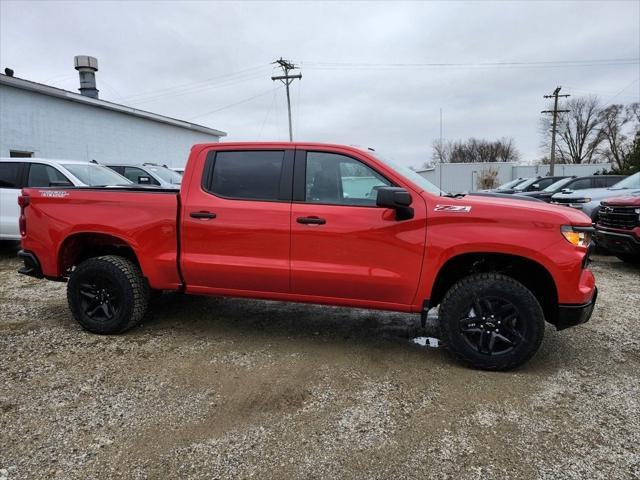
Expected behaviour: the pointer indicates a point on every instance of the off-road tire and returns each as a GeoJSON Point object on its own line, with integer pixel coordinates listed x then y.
{"type": "Point", "coordinates": [458, 301]}
{"type": "Point", "coordinates": [128, 284]}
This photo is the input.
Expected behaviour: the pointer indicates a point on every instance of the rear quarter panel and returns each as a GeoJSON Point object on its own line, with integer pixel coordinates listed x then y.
{"type": "Point", "coordinates": [145, 221]}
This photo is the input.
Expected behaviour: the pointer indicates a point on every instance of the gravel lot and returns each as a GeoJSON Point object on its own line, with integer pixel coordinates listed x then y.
{"type": "Point", "coordinates": [224, 388]}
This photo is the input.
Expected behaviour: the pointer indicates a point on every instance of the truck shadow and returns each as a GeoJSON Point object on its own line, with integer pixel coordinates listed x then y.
{"type": "Point", "coordinates": [271, 321]}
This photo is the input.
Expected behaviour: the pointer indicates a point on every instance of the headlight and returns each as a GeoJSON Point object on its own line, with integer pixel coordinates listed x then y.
{"type": "Point", "coordinates": [578, 237]}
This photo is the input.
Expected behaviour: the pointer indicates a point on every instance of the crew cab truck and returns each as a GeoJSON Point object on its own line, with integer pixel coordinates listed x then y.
{"type": "Point", "coordinates": [618, 227]}
{"type": "Point", "coordinates": [324, 224]}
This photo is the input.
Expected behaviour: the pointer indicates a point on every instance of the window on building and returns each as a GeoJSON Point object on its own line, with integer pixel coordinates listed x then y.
{"type": "Point", "coordinates": [10, 175]}
{"type": "Point", "coordinates": [341, 180]}
{"type": "Point", "coordinates": [251, 175]}
{"type": "Point", "coordinates": [20, 154]}
{"type": "Point", "coordinates": [41, 175]}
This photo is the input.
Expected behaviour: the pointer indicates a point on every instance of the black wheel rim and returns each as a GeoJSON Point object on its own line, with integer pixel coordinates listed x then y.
{"type": "Point", "coordinates": [492, 326]}
{"type": "Point", "coordinates": [100, 299]}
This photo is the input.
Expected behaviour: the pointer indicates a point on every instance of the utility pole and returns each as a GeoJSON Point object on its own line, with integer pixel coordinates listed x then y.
{"type": "Point", "coordinates": [287, 80]}
{"type": "Point", "coordinates": [555, 111]}
{"type": "Point", "coordinates": [441, 154]}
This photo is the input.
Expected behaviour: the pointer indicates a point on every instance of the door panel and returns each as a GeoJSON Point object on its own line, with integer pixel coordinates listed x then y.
{"type": "Point", "coordinates": [359, 252]}
{"type": "Point", "coordinates": [246, 245]}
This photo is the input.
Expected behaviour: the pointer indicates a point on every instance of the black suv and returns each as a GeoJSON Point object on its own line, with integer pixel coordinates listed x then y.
{"type": "Point", "coordinates": [573, 183]}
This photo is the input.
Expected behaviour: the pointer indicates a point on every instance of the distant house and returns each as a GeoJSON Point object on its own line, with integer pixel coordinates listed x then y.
{"type": "Point", "coordinates": [38, 120]}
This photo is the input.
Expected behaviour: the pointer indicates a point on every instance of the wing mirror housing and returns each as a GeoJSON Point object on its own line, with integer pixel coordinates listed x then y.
{"type": "Point", "coordinates": [398, 199]}
{"type": "Point", "coordinates": [142, 180]}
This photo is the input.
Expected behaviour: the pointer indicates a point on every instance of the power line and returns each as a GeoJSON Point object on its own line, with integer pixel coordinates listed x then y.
{"type": "Point", "coordinates": [286, 79]}
{"type": "Point", "coordinates": [555, 111]}
{"type": "Point", "coordinates": [527, 64]}
{"type": "Point", "coordinates": [233, 104]}
{"type": "Point", "coordinates": [195, 85]}
{"type": "Point", "coordinates": [200, 89]}
{"type": "Point", "coordinates": [264, 122]}
{"type": "Point", "coordinates": [632, 83]}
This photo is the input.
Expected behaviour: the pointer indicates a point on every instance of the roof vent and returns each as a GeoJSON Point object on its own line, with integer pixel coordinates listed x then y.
{"type": "Point", "coordinates": [87, 67]}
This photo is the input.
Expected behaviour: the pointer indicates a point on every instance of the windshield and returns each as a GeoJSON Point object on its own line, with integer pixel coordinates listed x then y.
{"type": "Point", "coordinates": [526, 184]}
{"type": "Point", "coordinates": [630, 182]}
{"type": "Point", "coordinates": [511, 184]}
{"type": "Point", "coordinates": [95, 175]}
{"type": "Point", "coordinates": [411, 176]}
{"type": "Point", "coordinates": [558, 185]}
{"type": "Point", "coordinates": [165, 174]}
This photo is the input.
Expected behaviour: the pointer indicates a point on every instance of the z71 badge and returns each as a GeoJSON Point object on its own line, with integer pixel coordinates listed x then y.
{"type": "Point", "coordinates": [452, 208]}
{"type": "Point", "coordinates": [54, 193]}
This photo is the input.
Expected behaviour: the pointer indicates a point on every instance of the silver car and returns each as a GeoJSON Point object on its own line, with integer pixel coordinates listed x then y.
{"type": "Point", "coordinates": [588, 200]}
{"type": "Point", "coordinates": [149, 174]}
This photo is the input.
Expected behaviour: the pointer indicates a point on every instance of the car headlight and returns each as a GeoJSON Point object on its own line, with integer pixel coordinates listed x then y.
{"type": "Point", "coordinates": [578, 236]}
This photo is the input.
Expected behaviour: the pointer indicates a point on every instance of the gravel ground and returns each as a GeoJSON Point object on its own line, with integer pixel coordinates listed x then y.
{"type": "Point", "coordinates": [225, 388]}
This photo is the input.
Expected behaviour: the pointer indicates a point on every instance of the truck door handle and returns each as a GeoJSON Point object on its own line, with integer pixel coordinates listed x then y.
{"type": "Point", "coordinates": [311, 220]}
{"type": "Point", "coordinates": [202, 215]}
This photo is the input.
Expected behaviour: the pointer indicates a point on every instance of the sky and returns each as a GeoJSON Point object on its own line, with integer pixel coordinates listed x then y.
{"type": "Point", "coordinates": [374, 74]}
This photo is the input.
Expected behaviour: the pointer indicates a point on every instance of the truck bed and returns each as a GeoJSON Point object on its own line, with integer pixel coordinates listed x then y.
{"type": "Point", "coordinates": [60, 220]}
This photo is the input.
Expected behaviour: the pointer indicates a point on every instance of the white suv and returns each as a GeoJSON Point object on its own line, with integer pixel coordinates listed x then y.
{"type": "Point", "coordinates": [16, 173]}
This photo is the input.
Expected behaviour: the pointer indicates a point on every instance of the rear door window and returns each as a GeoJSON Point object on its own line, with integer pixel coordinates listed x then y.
{"type": "Point", "coordinates": [545, 182]}
{"type": "Point", "coordinates": [580, 184]}
{"type": "Point", "coordinates": [132, 173]}
{"type": "Point", "coordinates": [10, 173]}
{"type": "Point", "coordinates": [41, 175]}
{"type": "Point", "coordinates": [249, 175]}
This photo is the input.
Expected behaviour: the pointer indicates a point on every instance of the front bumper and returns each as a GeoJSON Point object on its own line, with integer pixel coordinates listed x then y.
{"type": "Point", "coordinates": [618, 242]}
{"type": "Point", "coordinates": [572, 315]}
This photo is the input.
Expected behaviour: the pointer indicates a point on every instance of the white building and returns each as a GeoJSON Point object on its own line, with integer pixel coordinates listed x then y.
{"type": "Point", "coordinates": [37, 120]}
{"type": "Point", "coordinates": [465, 177]}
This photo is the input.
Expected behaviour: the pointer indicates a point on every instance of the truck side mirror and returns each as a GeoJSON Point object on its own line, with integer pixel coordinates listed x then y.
{"type": "Point", "coordinates": [144, 180]}
{"type": "Point", "coordinates": [398, 199]}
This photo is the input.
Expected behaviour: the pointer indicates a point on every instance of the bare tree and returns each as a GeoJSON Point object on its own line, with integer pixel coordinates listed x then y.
{"type": "Point", "coordinates": [441, 151]}
{"type": "Point", "coordinates": [474, 150]}
{"type": "Point", "coordinates": [578, 133]}
{"type": "Point", "coordinates": [616, 143]}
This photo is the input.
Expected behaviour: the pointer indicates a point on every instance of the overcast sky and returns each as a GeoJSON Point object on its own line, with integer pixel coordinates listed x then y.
{"type": "Point", "coordinates": [366, 79]}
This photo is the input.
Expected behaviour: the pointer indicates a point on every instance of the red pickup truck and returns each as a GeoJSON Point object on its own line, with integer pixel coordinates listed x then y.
{"type": "Point", "coordinates": [618, 227]}
{"type": "Point", "coordinates": [323, 224]}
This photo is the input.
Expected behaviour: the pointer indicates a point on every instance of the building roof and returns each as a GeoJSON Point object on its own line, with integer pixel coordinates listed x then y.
{"type": "Point", "coordinates": [75, 97]}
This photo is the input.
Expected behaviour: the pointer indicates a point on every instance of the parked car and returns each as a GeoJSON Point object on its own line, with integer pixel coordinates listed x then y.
{"type": "Point", "coordinates": [16, 173]}
{"type": "Point", "coordinates": [618, 227]}
{"type": "Point", "coordinates": [508, 186]}
{"type": "Point", "coordinates": [149, 174]}
{"type": "Point", "coordinates": [277, 221]}
{"type": "Point", "coordinates": [535, 184]}
{"type": "Point", "coordinates": [574, 183]}
{"type": "Point", "coordinates": [588, 201]}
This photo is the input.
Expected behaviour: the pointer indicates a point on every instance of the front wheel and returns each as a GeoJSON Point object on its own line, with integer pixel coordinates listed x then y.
{"type": "Point", "coordinates": [491, 321]}
{"type": "Point", "coordinates": [107, 294]}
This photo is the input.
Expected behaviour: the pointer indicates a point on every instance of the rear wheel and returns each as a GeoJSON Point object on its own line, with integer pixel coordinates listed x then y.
{"type": "Point", "coordinates": [107, 294]}
{"type": "Point", "coordinates": [491, 321]}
